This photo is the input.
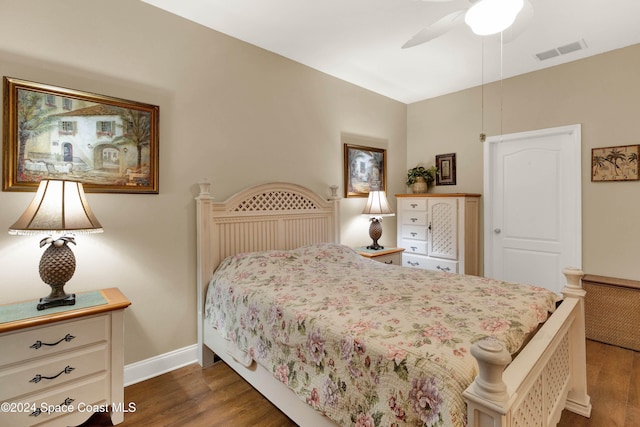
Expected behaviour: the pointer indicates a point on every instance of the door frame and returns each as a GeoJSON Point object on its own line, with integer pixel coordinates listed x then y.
{"type": "Point", "coordinates": [575, 134]}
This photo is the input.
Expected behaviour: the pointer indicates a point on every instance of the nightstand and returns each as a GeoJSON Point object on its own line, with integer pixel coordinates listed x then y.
{"type": "Point", "coordinates": [386, 255]}
{"type": "Point", "coordinates": [60, 365]}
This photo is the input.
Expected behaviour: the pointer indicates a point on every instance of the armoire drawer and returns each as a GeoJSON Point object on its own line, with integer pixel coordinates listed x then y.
{"type": "Point", "coordinates": [44, 341]}
{"type": "Point", "coordinates": [415, 218]}
{"type": "Point", "coordinates": [415, 232]}
{"type": "Point", "coordinates": [414, 246]}
{"type": "Point", "coordinates": [426, 263]}
{"type": "Point", "coordinates": [413, 205]}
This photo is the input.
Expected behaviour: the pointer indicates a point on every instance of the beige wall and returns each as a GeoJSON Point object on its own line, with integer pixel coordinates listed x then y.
{"type": "Point", "coordinates": [602, 93]}
{"type": "Point", "coordinates": [228, 111]}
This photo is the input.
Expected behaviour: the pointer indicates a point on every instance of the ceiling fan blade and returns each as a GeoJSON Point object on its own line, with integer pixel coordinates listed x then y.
{"type": "Point", "coordinates": [436, 29]}
{"type": "Point", "coordinates": [521, 23]}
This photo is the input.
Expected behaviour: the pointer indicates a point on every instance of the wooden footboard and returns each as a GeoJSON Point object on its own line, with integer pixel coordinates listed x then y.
{"type": "Point", "coordinates": [547, 376]}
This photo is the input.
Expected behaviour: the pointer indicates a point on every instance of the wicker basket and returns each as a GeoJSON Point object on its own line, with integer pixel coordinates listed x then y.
{"type": "Point", "coordinates": [612, 311]}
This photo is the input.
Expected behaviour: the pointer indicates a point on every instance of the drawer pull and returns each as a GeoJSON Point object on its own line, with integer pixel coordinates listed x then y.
{"type": "Point", "coordinates": [413, 264]}
{"type": "Point", "coordinates": [443, 269]}
{"type": "Point", "coordinates": [389, 262]}
{"type": "Point", "coordinates": [413, 234]}
{"type": "Point", "coordinates": [36, 345]}
{"type": "Point", "coordinates": [67, 370]}
{"type": "Point", "coordinates": [414, 205]}
{"type": "Point", "coordinates": [68, 401]}
{"type": "Point", "coordinates": [413, 219]}
{"type": "Point", "coordinates": [414, 248]}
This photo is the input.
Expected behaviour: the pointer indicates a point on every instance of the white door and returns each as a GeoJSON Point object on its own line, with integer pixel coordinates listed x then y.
{"type": "Point", "coordinates": [532, 213]}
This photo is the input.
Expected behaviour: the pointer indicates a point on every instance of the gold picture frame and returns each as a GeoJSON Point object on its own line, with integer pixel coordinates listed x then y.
{"type": "Point", "coordinates": [364, 170]}
{"type": "Point", "coordinates": [109, 144]}
{"type": "Point", "coordinates": [618, 163]}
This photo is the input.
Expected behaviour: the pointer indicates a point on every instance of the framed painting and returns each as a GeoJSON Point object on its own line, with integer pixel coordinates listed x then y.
{"type": "Point", "coordinates": [364, 170]}
{"type": "Point", "coordinates": [108, 144]}
{"type": "Point", "coordinates": [615, 163]}
{"type": "Point", "coordinates": [446, 165]}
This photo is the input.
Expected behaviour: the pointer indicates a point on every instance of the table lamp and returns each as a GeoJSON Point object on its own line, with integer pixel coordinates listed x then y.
{"type": "Point", "coordinates": [59, 207]}
{"type": "Point", "coordinates": [377, 206]}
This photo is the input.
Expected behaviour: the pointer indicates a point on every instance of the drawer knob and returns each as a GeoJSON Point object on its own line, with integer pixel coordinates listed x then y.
{"type": "Point", "coordinates": [443, 268]}
{"type": "Point", "coordinates": [67, 370]}
{"type": "Point", "coordinates": [36, 345]}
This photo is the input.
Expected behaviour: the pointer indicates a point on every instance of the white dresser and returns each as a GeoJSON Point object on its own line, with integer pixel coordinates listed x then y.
{"type": "Point", "coordinates": [58, 368]}
{"type": "Point", "coordinates": [440, 231]}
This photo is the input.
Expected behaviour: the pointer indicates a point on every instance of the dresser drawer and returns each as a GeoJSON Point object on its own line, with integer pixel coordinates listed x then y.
{"type": "Point", "coordinates": [57, 403]}
{"type": "Point", "coordinates": [413, 205]}
{"type": "Point", "coordinates": [41, 374]}
{"type": "Point", "coordinates": [426, 263]}
{"type": "Point", "coordinates": [414, 246]}
{"type": "Point", "coordinates": [48, 340]}
{"type": "Point", "coordinates": [414, 232]}
{"type": "Point", "coordinates": [414, 218]}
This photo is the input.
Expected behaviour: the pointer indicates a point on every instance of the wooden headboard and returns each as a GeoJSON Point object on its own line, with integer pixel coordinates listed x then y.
{"type": "Point", "coordinates": [263, 217]}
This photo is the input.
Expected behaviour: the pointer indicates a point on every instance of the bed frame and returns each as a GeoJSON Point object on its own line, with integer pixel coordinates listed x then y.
{"type": "Point", "coordinates": [547, 376]}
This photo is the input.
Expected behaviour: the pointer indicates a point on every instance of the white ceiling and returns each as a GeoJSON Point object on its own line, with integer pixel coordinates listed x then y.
{"type": "Point", "coordinates": [360, 41]}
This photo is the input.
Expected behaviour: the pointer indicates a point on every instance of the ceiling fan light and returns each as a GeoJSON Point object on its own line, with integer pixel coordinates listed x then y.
{"type": "Point", "coordinates": [488, 17]}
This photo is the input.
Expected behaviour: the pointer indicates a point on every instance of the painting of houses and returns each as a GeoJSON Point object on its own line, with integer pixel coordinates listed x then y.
{"type": "Point", "coordinates": [105, 145]}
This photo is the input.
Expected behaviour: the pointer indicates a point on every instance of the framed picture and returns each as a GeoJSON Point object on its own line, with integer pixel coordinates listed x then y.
{"type": "Point", "coordinates": [364, 170]}
{"type": "Point", "coordinates": [615, 163]}
{"type": "Point", "coordinates": [108, 144]}
{"type": "Point", "coordinates": [446, 165]}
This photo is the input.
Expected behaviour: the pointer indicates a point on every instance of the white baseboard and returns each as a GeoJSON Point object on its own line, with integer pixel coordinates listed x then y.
{"type": "Point", "coordinates": [158, 365]}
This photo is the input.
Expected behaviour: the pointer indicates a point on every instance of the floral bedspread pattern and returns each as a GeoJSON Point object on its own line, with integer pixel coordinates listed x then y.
{"type": "Point", "coordinates": [368, 344]}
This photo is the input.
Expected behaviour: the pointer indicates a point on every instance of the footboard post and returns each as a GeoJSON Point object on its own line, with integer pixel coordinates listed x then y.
{"type": "Point", "coordinates": [578, 401]}
{"type": "Point", "coordinates": [487, 397]}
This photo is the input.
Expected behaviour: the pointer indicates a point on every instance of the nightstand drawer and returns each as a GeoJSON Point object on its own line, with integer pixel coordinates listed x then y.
{"type": "Point", "coordinates": [395, 259]}
{"type": "Point", "coordinates": [41, 374]}
{"type": "Point", "coordinates": [44, 341]}
{"type": "Point", "coordinates": [57, 403]}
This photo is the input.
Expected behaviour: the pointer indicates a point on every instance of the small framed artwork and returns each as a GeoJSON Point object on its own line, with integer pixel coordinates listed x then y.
{"type": "Point", "coordinates": [446, 165]}
{"type": "Point", "coordinates": [615, 163]}
{"type": "Point", "coordinates": [364, 170]}
{"type": "Point", "coordinates": [108, 144]}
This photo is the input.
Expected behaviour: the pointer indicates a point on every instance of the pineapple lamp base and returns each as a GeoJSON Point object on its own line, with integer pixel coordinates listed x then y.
{"type": "Point", "coordinates": [57, 266]}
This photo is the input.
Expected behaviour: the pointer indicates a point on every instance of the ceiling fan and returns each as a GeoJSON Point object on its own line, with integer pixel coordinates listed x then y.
{"type": "Point", "coordinates": [480, 12]}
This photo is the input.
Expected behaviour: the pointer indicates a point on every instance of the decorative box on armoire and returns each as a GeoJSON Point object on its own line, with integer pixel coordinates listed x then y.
{"type": "Point", "coordinates": [440, 231]}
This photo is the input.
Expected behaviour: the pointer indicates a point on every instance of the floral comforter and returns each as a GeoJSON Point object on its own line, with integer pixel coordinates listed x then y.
{"type": "Point", "coordinates": [368, 344]}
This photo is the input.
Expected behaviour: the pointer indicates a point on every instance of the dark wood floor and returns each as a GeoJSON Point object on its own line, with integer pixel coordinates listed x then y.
{"type": "Point", "coordinates": [216, 396]}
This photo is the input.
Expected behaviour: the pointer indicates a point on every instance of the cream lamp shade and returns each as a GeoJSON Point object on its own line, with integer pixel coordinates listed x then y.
{"type": "Point", "coordinates": [377, 206]}
{"type": "Point", "coordinates": [488, 17]}
{"type": "Point", "coordinates": [60, 207]}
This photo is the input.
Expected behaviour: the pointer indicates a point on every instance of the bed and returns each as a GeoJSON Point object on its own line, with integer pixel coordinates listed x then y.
{"type": "Point", "coordinates": [280, 221]}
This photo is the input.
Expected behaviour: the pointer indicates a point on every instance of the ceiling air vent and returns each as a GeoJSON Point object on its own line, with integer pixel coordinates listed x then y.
{"type": "Point", "coordinates": [547, 55]}
{"type": "Point", "coordinates": [562, 50]}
